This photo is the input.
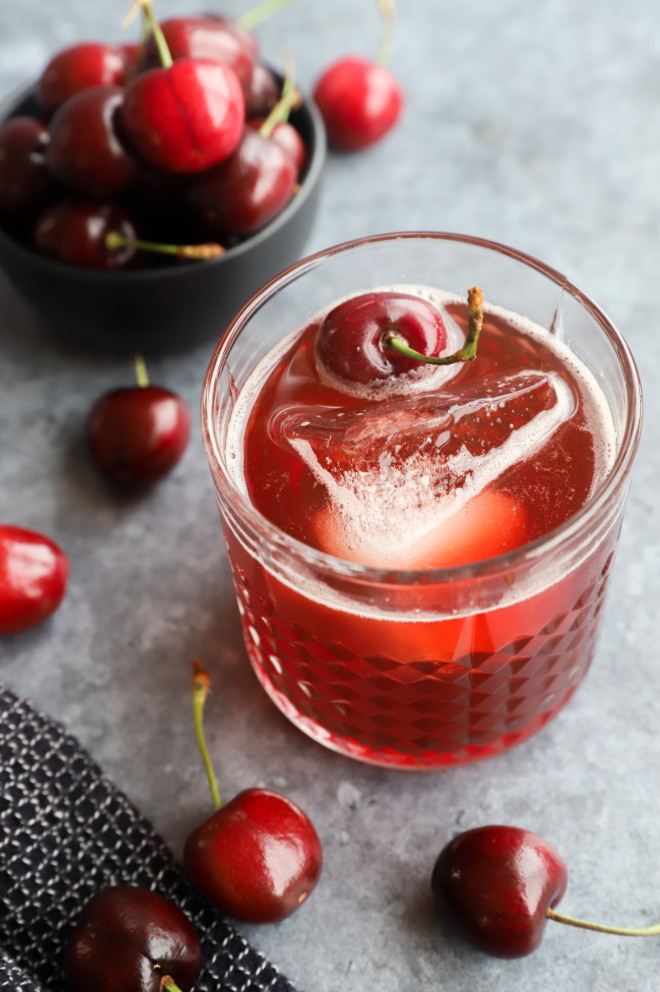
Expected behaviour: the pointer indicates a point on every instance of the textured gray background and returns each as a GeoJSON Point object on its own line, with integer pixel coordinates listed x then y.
{"type": "Point", "coordinates": [533, 124]}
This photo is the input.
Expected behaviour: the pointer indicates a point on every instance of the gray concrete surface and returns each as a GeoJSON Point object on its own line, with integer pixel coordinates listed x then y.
{"type": "Point", "coordinates": [533, 124]}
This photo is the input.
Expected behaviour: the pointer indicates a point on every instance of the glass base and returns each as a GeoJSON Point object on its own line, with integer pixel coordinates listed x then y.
{"type": "Point", "coordinates": [421, 760]}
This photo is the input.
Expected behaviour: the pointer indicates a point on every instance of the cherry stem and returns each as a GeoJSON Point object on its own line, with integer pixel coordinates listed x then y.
{"type": "Point", "coordinates": [572, 921]}
{"type": "Point", "coordinates": [387, 37]}
{"type": "Point", "coordinates": [155, 28]}
{"type": "Point", "coordinates": [141, 374]}
{"type": "Point", "coordinates": [288, 101]}
{"type": "Point", "coordinates": [260, 13]}
{"type": "Point", "coordinates": [201, 683]}
{"type": "Point", "coordinates": [167, 984]}
{"type": "Point", "coordinates": [466, 353]}
{"type": "Point", "coordinates": [114, 241]}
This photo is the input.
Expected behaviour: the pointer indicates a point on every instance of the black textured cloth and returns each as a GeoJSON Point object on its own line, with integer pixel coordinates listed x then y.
{"type": "Point", "coordinates": [65, 833]}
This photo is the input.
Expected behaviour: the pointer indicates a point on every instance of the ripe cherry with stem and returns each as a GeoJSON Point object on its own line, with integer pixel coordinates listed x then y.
{"type": "Point", "coordinates": [360, 100]}
{"type": "Point", "coordinates": [499, 885]}
{"type": "Point", "coordinates": [370, 337]}
{"type": "Point", "coordinates": [132, 939]}
{"type": "Point", "coordinates": [258, 857]}
{"type": "Point", "coordinates": [137, 434]}
{"type": "Point", "coordinates": [242, 194]}
{"type": "Point", "coordinates": [187, 115]}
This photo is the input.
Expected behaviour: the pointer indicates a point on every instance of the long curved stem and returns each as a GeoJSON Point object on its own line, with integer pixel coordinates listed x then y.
{"type": "Point", "coordinates": [259, 13]}
{"type": "Point", "coordinates": [464, 354]}
{"type": "Point", "coordinates": [573, 921]}
{"type": "Point", "coordinates": [387, 37]}
{"type": "Point", "coordinates": [150, 20]}
{"type": "Point", "coordinates": [200, 690]}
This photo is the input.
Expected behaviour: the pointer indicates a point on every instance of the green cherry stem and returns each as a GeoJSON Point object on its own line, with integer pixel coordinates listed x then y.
{"type": "Point", "coordinates": [141, 374]}
{"type": "Point", "coordinates": [114, 241]}
{"type": "Point", "coordinates": [155, 28]}
{"type": "Point", "coordinates": [466, 353]}
{"type": "Point", "coordinates": [289, 100]}
{"type": "Point", "coordinates": [167, 984]}
{"type": "Point", "coordinates": [572, 921]}
{"type": "Point", "coordinates": [260, 13]}
{"type": "Point", "coordinates": [386, 8]}
{"type": "Point", "coordinates": [201, 684]}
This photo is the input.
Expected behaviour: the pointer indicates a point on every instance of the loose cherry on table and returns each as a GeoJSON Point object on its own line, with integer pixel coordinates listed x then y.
{"type": "Point", "coordinates": [359, 100]}
{"type": "Point", "coordinates": [137, 434]}
{"type": "Point", "coordinates": [132, 939]}
{"type": "Point", "coordinates": [374, 336]}
{"type": "Point", "coordinates": [85, 151]}
{"type": "Point", "coordinates": [257, 858]}
{"type": "Point", "coordinates": [76, 68]}
{"type": "Point", "coordinates": [33, 578]}
{"type": "Point", "coordinates": [24, 178]}
{"type": "Point", "coordinates": [75, 232]}
{"type": "Point", "coordinates": [498, 886]}
{"type": "Point", "coordinates": [186, 116]}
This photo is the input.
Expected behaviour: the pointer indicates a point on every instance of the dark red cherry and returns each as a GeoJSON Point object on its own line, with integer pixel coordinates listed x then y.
{"type": "Point", "coordinates": [75, 232]}
{"type": "Point", "coordinates": [262, 92]}
{"type": "Point", "coordinates": [495, 884]}
{"type": "Point", "coordinates": [351, 337]}
{"type": "Point", "coordinates": [24, 179]}
{"type": "Point", "coordinates": [214, 39]}
{"type": "Point", "coordinates": [33, 577]}
{"type": "Point", "coordinates": [186, 117]}
{"type": "Point", "coordinates": [257, 858]}
{"type": "Point", "coordinates": [85, 152]}
{"type": "Point", "coordinates": [246, 191]}
{"type": "Point", "coordinates": [76, 68]}
{"type": "Point", "coordinates": [285, 134]}
{"type": "Point", "coordinates": [130, 939]}
{"type": "Point", "coordinates": [359, 101]}
{"type": "Point", "coordinates": [137, 434]}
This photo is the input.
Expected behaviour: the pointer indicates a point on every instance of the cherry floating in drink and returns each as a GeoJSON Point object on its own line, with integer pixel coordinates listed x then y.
{"type": "Point", "coordinates": [420, 548]}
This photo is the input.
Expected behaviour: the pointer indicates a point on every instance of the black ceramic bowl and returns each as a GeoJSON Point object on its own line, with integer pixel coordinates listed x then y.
{"type": "Point", "coordinates": [173, 307]}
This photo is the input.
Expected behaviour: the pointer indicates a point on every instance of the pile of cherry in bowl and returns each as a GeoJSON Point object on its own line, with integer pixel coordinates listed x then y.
{"type": "Point", "coordinates": [181, 139]}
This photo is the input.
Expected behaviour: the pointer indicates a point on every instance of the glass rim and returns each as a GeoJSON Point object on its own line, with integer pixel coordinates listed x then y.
{"type": "Point", "coordinates": [517, 557]}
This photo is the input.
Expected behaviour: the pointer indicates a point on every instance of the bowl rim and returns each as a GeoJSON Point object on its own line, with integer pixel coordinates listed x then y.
{"type": "Point", "coordinates": [311, 178]}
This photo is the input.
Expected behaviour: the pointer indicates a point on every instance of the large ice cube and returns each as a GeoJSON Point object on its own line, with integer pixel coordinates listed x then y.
{"type": "Point", "coordinates": [408, 479]}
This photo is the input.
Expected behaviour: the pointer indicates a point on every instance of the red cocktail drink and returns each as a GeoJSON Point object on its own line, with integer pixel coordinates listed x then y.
{"type": "Point", "coordinates": [420, 563]}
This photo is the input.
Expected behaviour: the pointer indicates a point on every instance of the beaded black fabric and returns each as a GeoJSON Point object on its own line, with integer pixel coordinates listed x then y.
{"type": "Point", "coordinates": [65, 833]}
